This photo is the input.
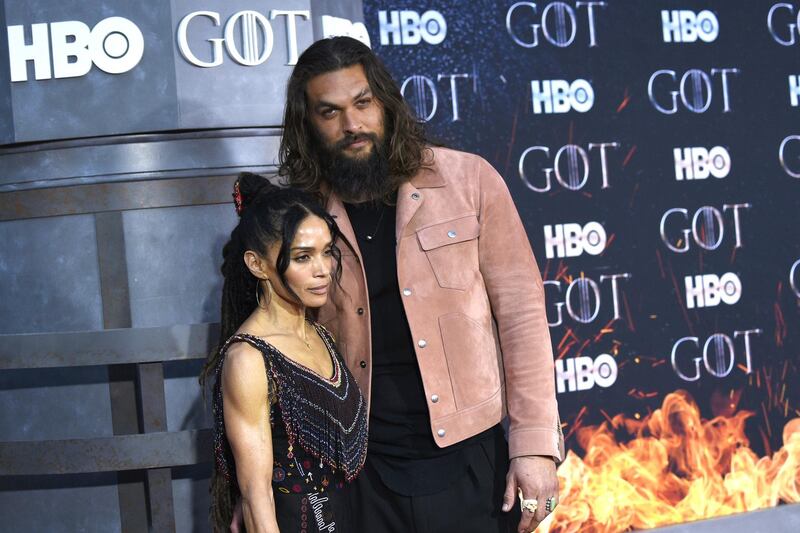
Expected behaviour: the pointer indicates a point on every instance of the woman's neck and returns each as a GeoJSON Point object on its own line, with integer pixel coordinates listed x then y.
{"type": "Point", "coordinates": [283, 316]}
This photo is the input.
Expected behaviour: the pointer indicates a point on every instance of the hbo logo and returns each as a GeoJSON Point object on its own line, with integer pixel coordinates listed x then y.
{"type": "Point", "coordinates": [561, 96]}
{"type": "Point", "coordinates": [708, 290]}
{"type": "Point", "coordinates": [682, 26]}
{"type": "Point", "coordinates": [583, 373]}
{"type": "Point", "coordinates": [571, 240]}
{"type": "Point", "coordinates": [409, 28]}
{"type": "Point", "coordinates": [115, 45]}
{"type": "Point", "coordinates": [698, 163]}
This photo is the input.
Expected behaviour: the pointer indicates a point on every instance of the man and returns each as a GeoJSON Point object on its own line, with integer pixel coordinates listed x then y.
{"type": "Point", "coordinates": [440, 312]}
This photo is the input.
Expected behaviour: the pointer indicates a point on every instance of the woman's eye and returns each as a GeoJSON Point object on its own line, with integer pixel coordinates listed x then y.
{"type": "Point", "coordinates": [328, 252]}
{"type": "Point", "coordinates": [301, 258]}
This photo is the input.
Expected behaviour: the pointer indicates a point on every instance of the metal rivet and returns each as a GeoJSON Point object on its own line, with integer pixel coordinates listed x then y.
{"type": "Point", "coordinates": [451, 234]}
{"type": "Point", "coordinates": [441, 433]}
{"type": "Point", "coordinates": [363, 364]}
{"type": "Point", "coordinates": [360, 310]}
{"type": "Point", "coordinates": [415, 196]}
{"type": "Point", "coordinates": [435, 398]}
{"type": "Point", "coordinates": [406, 292]}
{"type": "Point", "coordinates": [422, 343]}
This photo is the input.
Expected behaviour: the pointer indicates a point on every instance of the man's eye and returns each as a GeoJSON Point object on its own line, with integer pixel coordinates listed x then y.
{"type": "Point", "coordinates": [328, 113]}
{"type": "Point", "coordinates": [363, 103]}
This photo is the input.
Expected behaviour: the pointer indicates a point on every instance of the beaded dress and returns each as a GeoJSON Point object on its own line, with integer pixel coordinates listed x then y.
{"type": "Point", "coordinates": [319, 438]}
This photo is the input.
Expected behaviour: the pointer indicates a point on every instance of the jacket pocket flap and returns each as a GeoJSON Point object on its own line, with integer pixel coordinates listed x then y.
{"type": "Point", "coordinates": [449, 232]}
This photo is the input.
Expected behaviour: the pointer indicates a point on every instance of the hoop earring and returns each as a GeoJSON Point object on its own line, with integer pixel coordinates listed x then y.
{"type": "Point", "coordinates": [269, 291]}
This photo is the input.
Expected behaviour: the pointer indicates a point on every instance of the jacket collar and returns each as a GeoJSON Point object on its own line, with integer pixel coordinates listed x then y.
{"type": "Point", "coordinates": [427, 177]}
{"type": "Point", "coordinates": [336, 208]}
{"type": "Point", "coordinates": [409, 199]}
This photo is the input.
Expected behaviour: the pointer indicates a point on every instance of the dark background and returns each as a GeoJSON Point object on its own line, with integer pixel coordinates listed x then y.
{"type": "Point", "coordinates": [497, 122]}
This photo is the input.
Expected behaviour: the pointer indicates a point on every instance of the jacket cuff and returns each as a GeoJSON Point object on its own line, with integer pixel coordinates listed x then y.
{"type": "Point", "coordinates": [536, 442]}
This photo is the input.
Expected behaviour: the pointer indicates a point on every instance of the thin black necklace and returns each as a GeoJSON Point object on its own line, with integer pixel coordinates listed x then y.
{"type": "Point", "coordinates": [371, 236]}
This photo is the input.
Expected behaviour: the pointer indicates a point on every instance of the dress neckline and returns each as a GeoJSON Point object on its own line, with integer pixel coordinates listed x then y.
{"type": "Point", "coordinates": [334, 363]}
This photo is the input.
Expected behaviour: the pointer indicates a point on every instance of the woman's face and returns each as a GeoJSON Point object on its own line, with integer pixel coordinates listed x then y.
{"type": "Point", "coordinates": [310, 264]}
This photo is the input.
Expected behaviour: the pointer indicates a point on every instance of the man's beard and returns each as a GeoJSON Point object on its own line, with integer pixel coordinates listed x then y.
{"type": "Point", "coordinates": [356, 180]}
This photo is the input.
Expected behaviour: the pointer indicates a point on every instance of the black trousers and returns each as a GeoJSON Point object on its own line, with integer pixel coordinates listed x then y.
{"type": "Point", "coordinates": [469, 505]}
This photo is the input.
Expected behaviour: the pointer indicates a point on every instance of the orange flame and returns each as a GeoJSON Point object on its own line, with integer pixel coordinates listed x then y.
{"type": "Point", "coordinates": [677, 468]}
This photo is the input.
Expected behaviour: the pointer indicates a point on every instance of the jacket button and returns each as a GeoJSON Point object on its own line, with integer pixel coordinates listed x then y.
{"type": "Point", "coordinates": [360, 310]}
{"type": "Point", "coordinates": [415, 196]}
{"type": "Point", "coordinates": [441, 433]}
{"type": "Point", "coordinates": [422, 343]}
{"type": "Point", "coordinates": [451, 234]}
{"type": "Point", "coordinates": [363, 364]}
{"type": "Point", "coordinates": [435, 398]}
{"type": "Point", "coordinates": [406, 292]}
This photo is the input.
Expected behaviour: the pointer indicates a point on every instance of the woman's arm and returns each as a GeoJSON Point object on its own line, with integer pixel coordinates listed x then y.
{"type": "Point", "coordinates": [246, 412]}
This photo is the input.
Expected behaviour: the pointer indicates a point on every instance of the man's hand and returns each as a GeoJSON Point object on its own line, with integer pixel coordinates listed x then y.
{"type": "Point", "coordinates": [536, 476]}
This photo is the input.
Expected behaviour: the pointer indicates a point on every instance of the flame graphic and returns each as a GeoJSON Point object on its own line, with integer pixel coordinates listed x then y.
{"type": "Point", "coordinates": [676, 468]}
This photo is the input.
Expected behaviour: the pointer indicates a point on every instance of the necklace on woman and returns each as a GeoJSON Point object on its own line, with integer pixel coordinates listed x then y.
{"type": "Point", "coordinates": [302, 336]}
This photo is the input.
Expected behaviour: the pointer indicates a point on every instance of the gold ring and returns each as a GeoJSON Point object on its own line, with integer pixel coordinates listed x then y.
{"type": "Point", "coordinates": [527, 504]}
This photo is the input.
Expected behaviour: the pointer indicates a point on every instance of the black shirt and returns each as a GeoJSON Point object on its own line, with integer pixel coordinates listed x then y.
{"type": "Point", "coordinates": [401, 446]}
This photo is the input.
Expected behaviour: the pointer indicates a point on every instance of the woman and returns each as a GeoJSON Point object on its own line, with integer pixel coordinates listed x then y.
{"type": "Point", "coordinates": [290, 425]}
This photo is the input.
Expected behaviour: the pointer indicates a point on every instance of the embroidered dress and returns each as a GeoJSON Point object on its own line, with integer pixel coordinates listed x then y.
{"type": "Point", "coordinates": [319, 438]}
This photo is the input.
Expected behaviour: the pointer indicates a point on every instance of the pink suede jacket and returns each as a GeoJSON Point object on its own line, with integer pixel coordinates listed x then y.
{"type": "Point", "coordinates": [474, 300]}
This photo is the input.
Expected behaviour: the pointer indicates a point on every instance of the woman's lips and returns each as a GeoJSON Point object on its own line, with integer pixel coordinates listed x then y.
{"type": "Point", "coordinates": [322, 289]}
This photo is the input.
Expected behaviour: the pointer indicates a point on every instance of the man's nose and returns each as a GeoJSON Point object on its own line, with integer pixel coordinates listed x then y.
{"type": "Point", "coordinates": [350, 122]}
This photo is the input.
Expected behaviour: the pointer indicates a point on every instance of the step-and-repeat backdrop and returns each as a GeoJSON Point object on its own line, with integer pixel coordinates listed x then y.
{"type": "Point", "coordinates": [653, 151]}
{"type": "Point", "coordinates": [652, 148]}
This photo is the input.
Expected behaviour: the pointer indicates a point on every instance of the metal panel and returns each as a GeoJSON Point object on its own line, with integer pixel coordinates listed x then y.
{"type": "Point", "coordinates": [98, 103]}
{"type": "Point", "coordinates": [174, 256]}
{"type": "Point", "coordinates": [124, 452]}
{"type": "Point", "coordinates": [137, 158]}
{"type": "Point", "coordinates": [107, 347]}
{"type": "Point", "coordinates": [81, 199]}
{"type": "Point", "coordinates": [191, 497]}
{"type": "Point", "coordinates": [782, 519]}
{"type": "Point", "coordinates": [85, 503]}
{"type": "Point", "coordinates": [50, 275]}
{"type": "Point", "coordinates": [7, 124]}
{"type": "Point", "coordinates": [186, 407]}
{"type": "Point", "coordinates": [54, 403]}
{"type": "Point", "coordinates": [232, 93]}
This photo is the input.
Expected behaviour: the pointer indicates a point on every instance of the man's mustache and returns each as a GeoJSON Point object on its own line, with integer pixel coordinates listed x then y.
{"type": "Point", "coordinates": [350, 139]}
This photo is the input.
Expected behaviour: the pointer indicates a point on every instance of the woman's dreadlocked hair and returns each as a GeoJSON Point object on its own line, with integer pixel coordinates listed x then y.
{"type": "Point", "coordinates": [268, 215]}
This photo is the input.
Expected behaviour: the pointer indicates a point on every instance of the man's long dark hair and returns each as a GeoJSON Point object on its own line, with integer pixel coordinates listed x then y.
{"type": "Point", "coordinates": [405, 143]}
{"type": "Point", "coordinates": [269, 214]}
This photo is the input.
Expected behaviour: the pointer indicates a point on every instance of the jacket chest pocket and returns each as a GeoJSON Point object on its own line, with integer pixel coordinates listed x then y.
{"type": "Point", "coordinates": [452, 250]}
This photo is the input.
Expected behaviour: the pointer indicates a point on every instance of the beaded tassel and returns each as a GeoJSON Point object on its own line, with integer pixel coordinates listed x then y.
{"type": "Point", "coordinates": [326, 417]}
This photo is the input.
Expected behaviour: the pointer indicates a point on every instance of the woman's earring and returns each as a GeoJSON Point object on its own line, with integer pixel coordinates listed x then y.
{"type": "Point", "coordinates": [269, 291]}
